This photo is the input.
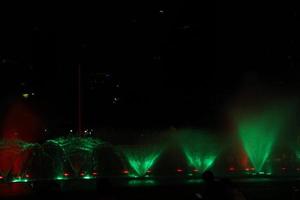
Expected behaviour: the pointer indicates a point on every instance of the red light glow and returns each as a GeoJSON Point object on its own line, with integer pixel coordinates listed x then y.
{"type": "Point", "coordinates": [231, 169]}
{"type": "Point", "coordinates": [66, 174]}
{"type": "Point", "coordinates": [179, 170]}
{"type": "Point", "coordinates": [125, 172]}
{"type": "Point", "coordinates": [95, 173]}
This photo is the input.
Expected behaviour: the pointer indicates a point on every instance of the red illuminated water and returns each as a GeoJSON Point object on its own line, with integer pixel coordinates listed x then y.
{"type": "Point", "coordinates": [21, 123]}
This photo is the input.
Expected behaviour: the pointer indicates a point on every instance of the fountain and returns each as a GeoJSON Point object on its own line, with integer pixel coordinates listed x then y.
{"type": "Point", "coordinates": [200, 149]}
{"type": "Point", "coordinates": [139, 159]}
{"type": "Point", "coordinates": [15, 160]}
{"type": "Point", "coordinates": [74, 156]}
{"type": "Point", "coordinates": [258, 133]}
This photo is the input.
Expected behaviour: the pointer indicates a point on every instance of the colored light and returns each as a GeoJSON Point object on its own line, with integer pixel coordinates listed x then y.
{"type": "Point", "coordinates": [95, 173]}
{"type": "Point", "coordinates": [125, 172]}
{"type": "Point", "coordinates": [231, 169]}
{"type": "Point", "coordinates": [66, 174]}
{"type": "Point", "coordinates": [179, 170]}
{"type": "Point", "coordinates": [25, 95]}
{"type": "Point", "coordinates": [247, 169]}
{"type": "Point", "coordinates": [27, 176]}
{"type": "Point", "coordinates": [81, 174]}
{"type": "Point", "coordinates": [200, 148]}
{"type": "Point", "coordinates": [149, 171]}
{"type": "Point", "coordinates": [77, 152]}
{"type": "Point", "coordinates": [59, 178]}
{"type": "Point", "coordinates": [1, 177]}
{"type": "Point", "coordinates": [144, 182]}
{"type": "Point", "coordinates": [259, 131]}
{"type": "Point", "coordinates": [195, 170]}
{"type": "Point", "coordinates": [88, 177]}
{"type": "Point", "coordinates": [19, 180]}
{"type": "Point", "coordinates": [133, 176]}
{"type": "Point", "coordinates": [140, 158]}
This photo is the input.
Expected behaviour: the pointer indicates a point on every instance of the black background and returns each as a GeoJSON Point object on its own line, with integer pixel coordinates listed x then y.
{"type": "Point", "coordinates": [176, 64]}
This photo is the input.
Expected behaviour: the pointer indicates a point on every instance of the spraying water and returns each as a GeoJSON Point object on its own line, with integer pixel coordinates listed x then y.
{"type": "Point", "coordinates": [15, 157]}
{"type": "Point", "coordinates": [200, 148]}
{"type": "Point", "coordinates": [140, 158]}
{"type": "Point", "coordinates": [79, 153]}
{"type": "Point", "coordinates": [258, 132]}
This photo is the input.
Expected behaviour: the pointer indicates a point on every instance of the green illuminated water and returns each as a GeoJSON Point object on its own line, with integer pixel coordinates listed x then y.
{"type": "Point", "coordinates": [140, 158]}
{"type": "Point", "coordinates": [77, 153]}
{"type": "Point", "coordinates": [16, 144]}
{"type": "Point", "coordinates": [258, 133]}
{"type": "Point", "coordinates": [15, 158]}
{"type": "Point", "coordinates": [298, 154]}
{"type": "Point", "coordinates": [200, 148]}
{"type": "Point", "coordinates": [142, 183]}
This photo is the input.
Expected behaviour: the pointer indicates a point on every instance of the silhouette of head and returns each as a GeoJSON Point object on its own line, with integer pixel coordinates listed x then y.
{"type": "Point", "coordinates": [208, 176]}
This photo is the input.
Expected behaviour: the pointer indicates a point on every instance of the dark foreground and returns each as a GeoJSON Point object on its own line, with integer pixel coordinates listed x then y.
{"type": "Point", "coordinates": [251, 188]}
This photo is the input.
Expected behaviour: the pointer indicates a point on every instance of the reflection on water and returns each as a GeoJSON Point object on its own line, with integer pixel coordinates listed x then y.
{"type": "Point", "coordinates": [194, 181]}
{"type": "Point", "coordinates": [142, 182]}
{"type": "Point", "coordinates": [15, 189]}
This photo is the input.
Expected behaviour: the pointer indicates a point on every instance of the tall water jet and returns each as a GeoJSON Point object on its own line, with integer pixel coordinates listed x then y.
{"type": "Point", "coordinates": [15, 157]}
{"type": "Point", "coordinates": [139, 159]}
{"type": "Point", "coordinates": [78, 154]}
{"type": "Point", "coordinates": [258, 132]}
{"type": "Point", "coordinates": [200, 148]}
{"type": "Point", "coordinates": [21, 123]}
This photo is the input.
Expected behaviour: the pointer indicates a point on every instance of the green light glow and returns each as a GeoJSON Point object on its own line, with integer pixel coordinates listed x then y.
{"type": "Point", "coordinates": [141, 182]}
{"type": "Point", "coordinates": [194, 181]}
{"type": "Point", "coordinates": [200, 149]}
{"type": "Point", "coordinates": [298, 154]}
{"type": "Point", "coordinates": [70, 144]}
{"type": "Point", "coordinates": [20, 180]}
{"type": "Point", "coordinates": [140, 158]}
{"type": "Point", "coordinates": [88, 177]}
{"type": "Point", "coordinates": [257, 143]}
{"type": "Point", "coordinates": [77, 153]}
{"type": "Point", "coordinates": [60, 178]}
{"type": "Point", "coordinates": [259, 131]}
{"type": "Point", "coordinates": [17, 143]}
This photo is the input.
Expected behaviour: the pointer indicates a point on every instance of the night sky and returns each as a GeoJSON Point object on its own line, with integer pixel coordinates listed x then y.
{"type": "Point", "coordinates": [150, 66]}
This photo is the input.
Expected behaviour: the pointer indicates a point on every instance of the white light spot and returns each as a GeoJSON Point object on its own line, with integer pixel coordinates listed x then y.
{"type": "Point", "coordinates": [25, 95]}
